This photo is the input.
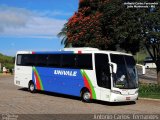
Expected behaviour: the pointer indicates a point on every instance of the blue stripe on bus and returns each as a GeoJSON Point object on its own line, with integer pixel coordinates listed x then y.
{"type": "Point", "coordinates": [54, 80]}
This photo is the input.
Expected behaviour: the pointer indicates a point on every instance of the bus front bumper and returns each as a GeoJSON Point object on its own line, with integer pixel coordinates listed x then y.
{"type": "Point", "coordinates": [123, 98]}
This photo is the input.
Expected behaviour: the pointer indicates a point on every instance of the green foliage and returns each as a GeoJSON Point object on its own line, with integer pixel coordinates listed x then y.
{"type": "Point", "coordinates": [7, 61]}
{"type": "Point", "coordinates": [108, 24]}
{"type": "Point", "coordinates": [140, 56]}
{"type": "Point", "coordinates": [149, 90]}
{"type": "Point", "coordinates": [63, 35]}
{"type": "Point", "coordinates": [85, 27]}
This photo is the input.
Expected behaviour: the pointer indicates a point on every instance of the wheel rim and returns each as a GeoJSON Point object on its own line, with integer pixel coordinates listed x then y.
{"type": "Point", "coordinates": [31, 87]}
{"type": "Point", "coordinates": [86, 96]}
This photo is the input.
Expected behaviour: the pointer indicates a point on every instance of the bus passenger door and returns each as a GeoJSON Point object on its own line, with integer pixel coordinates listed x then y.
{"type": "Point", "coordinates": [103, 75]}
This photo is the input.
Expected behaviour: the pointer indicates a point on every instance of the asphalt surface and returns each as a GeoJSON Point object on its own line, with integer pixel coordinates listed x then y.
{"type": "Point", "coordinates": [149, 77]}
{"type": "Point", "coordinates": [15, 100]}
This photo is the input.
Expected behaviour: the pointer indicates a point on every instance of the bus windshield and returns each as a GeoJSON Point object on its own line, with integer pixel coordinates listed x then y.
{"type": "Point", "coordinates": [126, 75]}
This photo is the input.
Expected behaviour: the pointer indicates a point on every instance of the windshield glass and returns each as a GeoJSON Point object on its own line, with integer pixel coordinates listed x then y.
{"type": "Point", "coordinates": [126, 75]}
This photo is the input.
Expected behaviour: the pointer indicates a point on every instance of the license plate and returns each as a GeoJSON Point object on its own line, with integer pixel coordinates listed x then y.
{"type": "Point", "coordinates": [127, 98]}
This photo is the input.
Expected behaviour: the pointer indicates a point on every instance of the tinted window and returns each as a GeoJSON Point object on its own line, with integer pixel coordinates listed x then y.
{"type": "Point", "coordinates": [69, 60]}
{"type": "Point", "coordinates": [80, 61]}
{"type": "Point", "coordinates": [41, 60]}
{"type": "Point", "coordinates": [54, 60]}
{"type": "Point", "coordinates": [84, 61]}
{"type": "Point", "coordinates": [19, 59]}
{"type": "Point", "coordinates": [148, 60]}
{"type": "Point", "coordinates": [102, 70]}
{"type": "Point", "coordinates": [28, 60]}
{"type": "Point", "coordinates": [101, 60]}
{"type": "Point", "coordinates": [121, 59]}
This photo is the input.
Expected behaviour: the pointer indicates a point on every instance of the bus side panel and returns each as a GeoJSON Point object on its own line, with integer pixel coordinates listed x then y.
{"type": "Point", "coordinates": [65, 81]}
{"type": "Point", "coordinates": [23, 74]}
{"type": "Point", "coordinates": [90, 82]}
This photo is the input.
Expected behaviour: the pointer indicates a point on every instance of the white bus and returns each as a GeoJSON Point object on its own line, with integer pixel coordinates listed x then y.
{"type": "Point", "coordinates": [89, 73]}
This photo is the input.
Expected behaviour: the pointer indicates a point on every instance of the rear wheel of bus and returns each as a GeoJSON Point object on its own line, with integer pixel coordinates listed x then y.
{"type": "Point", "coordinates": [31, 87]}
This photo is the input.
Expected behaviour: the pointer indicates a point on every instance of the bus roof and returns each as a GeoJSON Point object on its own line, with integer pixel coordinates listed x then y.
{"type": "Point", "coordinates": [80, 49]}
{"type": "Point", "coordinates": [75, 50]}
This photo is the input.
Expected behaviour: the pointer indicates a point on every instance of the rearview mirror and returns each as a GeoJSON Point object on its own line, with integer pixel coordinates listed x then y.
{"type": "Point", "coordinates": [114, 67]}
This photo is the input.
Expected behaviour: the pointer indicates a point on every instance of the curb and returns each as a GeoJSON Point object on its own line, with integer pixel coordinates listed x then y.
{"type": "Point", "coordinates": [140, 98]}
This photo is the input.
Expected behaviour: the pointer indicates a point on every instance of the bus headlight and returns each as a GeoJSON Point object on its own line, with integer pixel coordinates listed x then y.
{"type": "Point", "coordinates": [115, 91]}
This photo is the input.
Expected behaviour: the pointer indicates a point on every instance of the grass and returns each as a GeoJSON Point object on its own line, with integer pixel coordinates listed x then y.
{"type": "Point", "coordinates": [149, 91]}
{"type": "Point", "coordinates": [153, 96]}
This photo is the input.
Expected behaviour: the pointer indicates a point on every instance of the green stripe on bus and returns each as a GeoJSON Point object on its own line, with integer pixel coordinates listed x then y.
{"type": "Point", "coordinates": [91, 85]}
{"type": "Point", "coordinates": [41, 85]}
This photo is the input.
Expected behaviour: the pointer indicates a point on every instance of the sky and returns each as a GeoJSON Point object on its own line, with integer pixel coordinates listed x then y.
{"type": "Point", "coordinates": [33, 24]}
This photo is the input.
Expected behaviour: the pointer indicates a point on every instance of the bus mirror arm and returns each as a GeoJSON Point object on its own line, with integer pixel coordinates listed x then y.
{"type": "Point", "coordinates": [113, 66]}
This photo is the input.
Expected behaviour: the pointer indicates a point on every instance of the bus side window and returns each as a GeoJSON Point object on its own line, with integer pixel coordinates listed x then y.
{"type": "Point", "coordinates": [68, 61]}
{"type": "Point", "coordinates": [54, 60]}
{"type": "Point", "coordinates": [27, 60]}
{"type": "Point", "coordinates": [84, 61]}
{"type": "Point", "coordinates": [102, 70]}
{"type": "Point", "coordinates": [19, 60]}
{"type": "Point", "coordinates": [41, 60]}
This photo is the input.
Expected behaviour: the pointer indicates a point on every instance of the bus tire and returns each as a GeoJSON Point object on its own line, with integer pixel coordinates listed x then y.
{"type": "Point", "coordinates": [31, 87]}
{"type": "Point", "coordinates": [86, 96]}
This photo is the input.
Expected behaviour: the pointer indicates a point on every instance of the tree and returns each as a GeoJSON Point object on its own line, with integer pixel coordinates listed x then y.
{"type": "Point", "coordinates": [63, 35]}
{"type": "Point", "coordinates": [6, 61]}
{"type": "Point", "coordinates": [151, 34]}
{"type": "Point", "coordinates": [84, 27]}
{"type": "Point", "coordinates": [105, 24]}
{"type": "Point", "coordinates": [109, 24]}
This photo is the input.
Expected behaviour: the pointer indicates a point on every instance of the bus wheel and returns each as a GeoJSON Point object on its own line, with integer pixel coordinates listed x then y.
{"type": "Point", "coordinates": [86, 95]}
{"type": "Point", "coordinates": [31, 87]}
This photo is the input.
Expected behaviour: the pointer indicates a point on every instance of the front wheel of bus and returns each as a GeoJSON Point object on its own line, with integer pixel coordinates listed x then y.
{"type": "Point", "coordinates": [86, 96]}
{"type": "Point", "coordinates": [31, 87]}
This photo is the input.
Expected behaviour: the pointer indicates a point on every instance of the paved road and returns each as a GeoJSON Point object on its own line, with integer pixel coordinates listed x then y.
{"type": "Point", "coordinates": [149, 77]}
{"type": "Point", "coordinates": [19, 101]}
